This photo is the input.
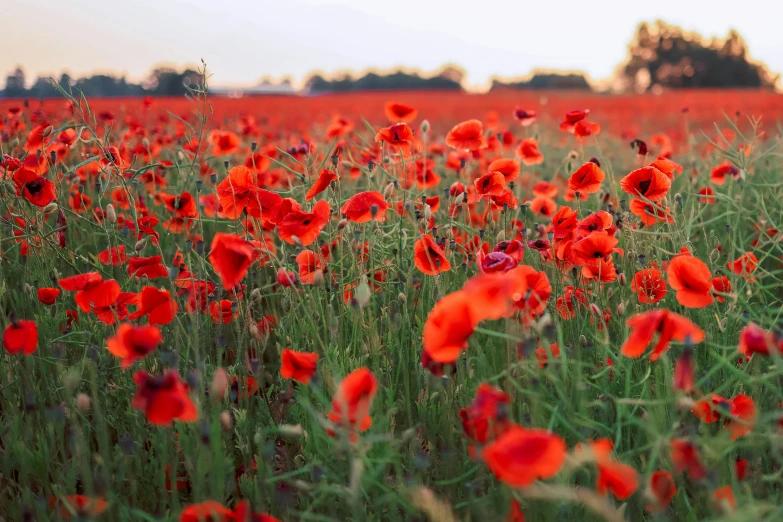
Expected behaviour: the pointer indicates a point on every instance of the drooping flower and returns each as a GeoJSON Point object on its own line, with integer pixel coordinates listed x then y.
{"type": "Point", "coordinates": [133, 343]}
{"type": "Point", "coordinates": [667, 325]}
{"type": "Point", "coordinates": [299, 366]}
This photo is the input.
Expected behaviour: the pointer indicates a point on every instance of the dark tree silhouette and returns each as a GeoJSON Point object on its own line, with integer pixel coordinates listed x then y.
{"type": "Point", "coordinates": [546, 81]}
{"type": "Point", "coordinates": [665, 55]}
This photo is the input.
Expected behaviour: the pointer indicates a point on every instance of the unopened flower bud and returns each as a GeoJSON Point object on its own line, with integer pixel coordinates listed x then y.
{"type": "Point", "coordinates": [425, 127]}
{"type": "Point", "coordinates": [388, 191]}
{"type": "Point", "coordinates": [51, 207]}
{"type": "Point", "coordinates": [219, 385]}
{"type": "Point", "coordinates": [111, 215]}
{"type": "Point", "coordinates": [225, 421]}
{"type": "Point", "coordinates": [595, 310]}
{"type": "Point", "coordinates": [140, 244]}
{"type": "Point", "coordinates": [621, 309]}
{"type": "Point", "coordinates": [83, 402]}
{"type": "Point", "coordinates": [318, 278]}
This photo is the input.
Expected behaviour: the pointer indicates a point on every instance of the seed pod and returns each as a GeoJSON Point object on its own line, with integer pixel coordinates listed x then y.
{"type": "Point", "coordinates": [83, 402]}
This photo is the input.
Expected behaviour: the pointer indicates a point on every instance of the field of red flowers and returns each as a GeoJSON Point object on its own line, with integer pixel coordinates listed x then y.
{"type": "Point", "coordinates": [392, 306]}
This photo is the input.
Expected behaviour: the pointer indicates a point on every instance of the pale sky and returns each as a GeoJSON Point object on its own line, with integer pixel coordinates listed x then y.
{"type": "Point", "coordinates": [243, 40]}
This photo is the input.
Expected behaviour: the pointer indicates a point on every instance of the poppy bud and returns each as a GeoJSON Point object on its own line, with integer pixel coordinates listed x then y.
{"type": "Point", "coordinates": [318, 277]}
{"type": "Point", "coordinates": [362, 294]}
{"type": "Point", "coordinates": [370, 165]}
{"type": "Point", "coordinates": [47, 131]}
{"type": "Point", "coordinates": [225, 164]}
{"type": "Point", "coordinates": [683, 371]}
{"type": "Point", "coordinates": [609, 293]}
{"type": "Point", "coordinates": [297, 241]}
{"type": "Point", "coordinates": [213, 177]}
{"type": "Point", "coordinates": [425, 126]}
{"type": "Point", "coordinates": [342, 224]}
{"type": "Point", "coordinates": [595, 310]}
{"type": "Point", "coordinates": [583, 340]}
{"type": "Point", "coordinates": [51, 207]}
{"type": "Point", "coordinates": [335, 158]}
{"type": "Point", "coordinates": [373, 210]}
{"type": "Point", "coordinates": [219, 385]}
{"type": "Point", "coordinates": [140, 244]}
{"type": "Point", "coordinates": [621, 309]}
{"type": "Point", "coordinates": [427, 213]}
{"type": "Point", "coordinates": [253, 146]}
{"type": "Point", "coordinates": [388, 191]}
{"type": "Point", "coordinates": [145, 142]}
{"type": "Point", "coordinates": [402, 298]}
{"type": "Point", "coordinates": [292, 431]}
{"type": "Point", "coordinates": [501, 236]}
{"type": "Point", "coordinates": [459, 199]}
{"type": "Point", "coordinates": [225, 421]}
{"type": "Point", "coordinates": [83, 402]}
{"type": "Point", "coordinates": [678, 199]}
{"type": "Point", "coordinates": [621, 279]}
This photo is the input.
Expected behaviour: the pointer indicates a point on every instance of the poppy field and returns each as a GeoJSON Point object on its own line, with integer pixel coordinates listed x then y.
{"type": "Point", "coordinates": [392, 306]}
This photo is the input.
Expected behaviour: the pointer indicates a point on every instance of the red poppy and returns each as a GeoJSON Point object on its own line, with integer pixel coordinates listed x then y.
{"type": "Point", "coordinates": [691, 279]}
{"type": "Point", "coordinates": [353, 399]}
{"type": "Point", "coordinates": [398, 135]}
{"type": "Point", "coordinates": [619, 478]}
{"type": "Point", "coordinates": [745, 265]}
{"type": "Point", "coordinates": [661, 490]}
{"type": "Point", "coordinates": [584, 128]}
{"type": "Point", "coordinates": [339, 128]}
{"type": "Point", "coordinates": [592, 248]}
{"type": "Point", "coordinates": [506, 166]}
{"type": "Point", "coordinates": [572, 118]}
{"type": "Point", "coordinates": [21, 337]}
{"type": "Point", "coordinates": [399, 112]}
{"type": "Point", "coordinates": [724, 500]}
{"type": "Point", "coordinates": [224, 143]}
{"type": "Point", "coordinates": [528, 152]}
{"type": "Point", "coordinates": [686, 458]}
{"type": "Point", "coordinates": [667, 325]}
{"type": "Point", "coordinates": [719, 173]}
{"type": "Point", "coordinates": [183, 205]}
{"type": "Point", "coordinates": [467, 135]}
{"type": "Point", "coordinates": [36, 189]}
{"type": "Point", "coordinates": [649, 285]}
{"type": "Point", "coordinates": [755, 340]}
{"type": "Point", "coordinates": [48, 296]}
{"type": "Point", "coordinates": [448, 327]}
{"type": "Point", "coordinates": [299, 366]}
{"type": "Point", "coordinates": [231, 256]}
{"type": "Point", "coordinates": [667, 166]}
{"type": "Point", "coordinates": [309, 263]}
{"type": "Point", "coordinates": [207, 511]}
{"type": "Point", "coordinates": [149, 267]}
{"type": "Point", "coordinates": [325, 178]}
{"type": "Point", "coordinates": [543, 206]}
{"type": "Point", "coordinates": [495, 262]}
{"type": "Point", "coordinates": [133, 343]}
{"type": "Point", "coordinates": [490, 184]}
{"type": "Point", "coordinates": [486, 418]}
{"type": "Point", "coordinates": [650, 213]}
{"type": "Point", "coordinates": [707, 196]}
{"type": "Point", "coordinates": [364, 206]}
{"type": "Point", "coordinates": [683, 371]}
{"type": "Point", "coordinates": [113, 256]}
{"type": "Point", "coordinates": [744, 414]}
{"type": "Point", "coordinates": [741, 469]}
{"type": "Point", "coordinates": [524, 117]}
{"type": "Point", "coordinates": [157, 305]}
{"type": "Point", "coordinates": [243, 513]}
{"type": "Point", "coordinates": [521, 456]}
{"type": "Point", "coordinates": [542, 355]}
{"type": "Point", "coordinates": [306, 226]}
{"type": "Point", "coordinates": [91, 290]}
{"type": "Point", "coordinates": [85, 507]}
{"type": "Point", "coordinates": [163, 399]}
{"type": "Point", "coordinates": [647, 182]}
{"type": "Point", "coordinates": [587, 179]}
{"type": "Point", "coordinates": [223, 311]}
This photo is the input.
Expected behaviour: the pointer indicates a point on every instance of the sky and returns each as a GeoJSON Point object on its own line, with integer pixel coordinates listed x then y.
{"type": "Point", "coordinates": [245, 40]}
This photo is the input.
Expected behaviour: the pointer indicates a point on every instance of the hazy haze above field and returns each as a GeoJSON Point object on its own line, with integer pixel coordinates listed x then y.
{"type": "Point", "coordinates": [244, 40]}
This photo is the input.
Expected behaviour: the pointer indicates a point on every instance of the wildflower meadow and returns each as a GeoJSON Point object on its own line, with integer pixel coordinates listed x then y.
{"type": "Point", "coordinates": [392, 306]}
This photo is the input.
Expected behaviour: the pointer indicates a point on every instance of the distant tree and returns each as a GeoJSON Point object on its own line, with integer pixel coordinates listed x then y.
{"type": "Point", "coordinates": [15, 84]}
{"type": "Point", "coordinates": [448, 79]}
{"type": "Point", "coordinates": [164, 81]}
{"type": "Point", "coordinates": [547, 81]}
{"type": "Point", "coordinates": [664, 55]}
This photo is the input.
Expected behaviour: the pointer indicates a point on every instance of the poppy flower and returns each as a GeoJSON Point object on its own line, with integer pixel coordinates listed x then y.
{"type": "Point", "coordinates": [238, 192]}
{"type": "Point", "coordinates": [184, 205]}
{"type": "Point", "coordinates": [157, 305]}
{"type": "Point", "coordinates": [590, 249]}
{"type": "Point", "coordinates": [118, 310]}
{"type": "Point", "coordinates": [539, 290]}
{"type": "Point", "coordinates": [429, 257]}
{"type": "Point", "coordinates": [133, 343]}
{"type": "Point", "coordinates": [691, 279]}
{"type": "Point", "coordinates": [542, 355]}
{"type": "Point", "coordinates": [399, 112]}
{"type": "Point", "coordinates": [647, 182]}
{"type": "Point", "coordinates": [448, 327]}
{"type": "Point", "coordinates": [325, 178]}
{"type": "Point", "coordinates": [707, 196]}
{"type": "Point", "coordinates": [741, 469]}
{"type": "Point", "coordinates": [685, 457]}
{"type": "Point", "coordinates": [243, 513]}
{"type": "Point", "coordinates": [661, 490]}
{"type": "Point", "coordinates": [619, 478]}
{"type": "Point", "coordinates": [719, 173]}
{"type": "Point", "coordinates": [113, 256]}
{"type": "Point", "coordinates": [299, 366]}
{"type": "Point", "coordinates": [649, 285]}
{"type": "Point", "coordinates": [207, 511]}
{"type": "Point", "coordinates": [584, 128]}
{"type": "Point", "coordinates": [683, 371]}
{"type": "Point", "coordinates": [21, 337]}
{"type": "Point", "coordinates": [521, 456]}
{"type": "Point", "coordinates": [353, 399]}
{"type": "Point", "coordinates": [223, 311]}
{"type": "Point", "coordinates": [755, 340]}
{"type": "Point", "coordinates": [528, 152]}
{"type": "Point", "coordinates": [506, 166]}
{"type": "Point", "coordinates": [339, 128]}
{"type": "Point", "coordinates": [84, 506]}
{"type": "Point", "coordinates": [667, 166]}
{"type": "Point", "coordinates": [163, 398]}
{"type": "Point", "coordinates": [572, 118]}
{"type": "Point", "coordinates": [490, 184]}
{"type": "Point", "coordinates": [543, 206]}
{"type": "Point", "coordinates": [724, 500]}
{"type": "Point", "coordinates": [364, 206]}
{"type": "Point", "coordinates": [149, 267]}
{"type": "Point", "coordinates": [744, 413]}
{"type": "Point", "coordinates": [309, 263]}
{"type": "Point", "coordinates": [398, 135]}
{"type": "Point", "coordinates": [467, 135]}
{"type": "Point", "coordinates": [496, 295]}
{"type": "Point", "coordinates": [91, 290]}
{"type": "Point", "coordinates": [667, 325]}
{"type": "Point", "coordinates": [224, 143]}
{"type": "Point", "coordinates": [587, 179]}
{"type": "Point", "coordinates": [231, 256]}
{"type": "Point", "coordinates": [486, 418]}
{"type": "Point", "coordinates": [524, 117]}
{"type": "Point", "coordinates": [306, 226]}
{"type": "Point", "coordinates": [515, 512]}
{"type": "Point", "coordinates": [513, 248]}
{"type": "Point", "coordinates": [48, 296]}
{"type": "Point", "coordinates": [495, 262]}
{"type": "Point", "coordinates": [650, 213]}
{"type": "Point", "coordinates": [36, 189]}
{"type": "Point", "coordinates": [745, 265]}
